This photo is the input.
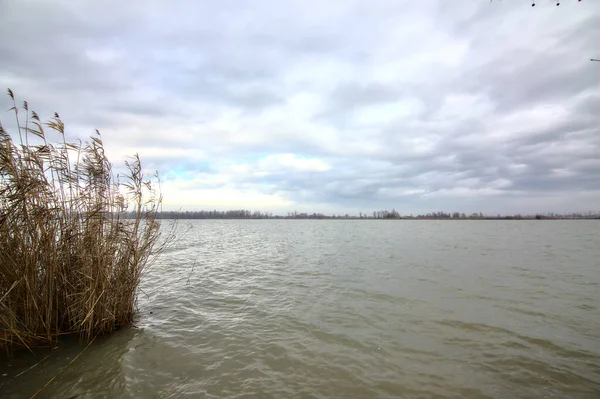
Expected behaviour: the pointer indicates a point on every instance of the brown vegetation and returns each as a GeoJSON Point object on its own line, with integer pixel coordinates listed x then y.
{"type": "Point", "coordinates": [69, 260]}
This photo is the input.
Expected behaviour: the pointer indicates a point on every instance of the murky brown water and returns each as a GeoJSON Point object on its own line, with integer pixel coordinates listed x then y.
{"type": "Point", "coordinates": [350, 309]}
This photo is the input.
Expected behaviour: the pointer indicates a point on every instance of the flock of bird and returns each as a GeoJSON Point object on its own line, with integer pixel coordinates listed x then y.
{"type": "Point", "coordinates": [557, 3]}
{"type": "Point", "coordinates": [533, 3]}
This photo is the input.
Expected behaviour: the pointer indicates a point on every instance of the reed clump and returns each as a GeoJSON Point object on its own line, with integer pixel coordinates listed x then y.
{"type": "Point", "coordinates": [74, 240]}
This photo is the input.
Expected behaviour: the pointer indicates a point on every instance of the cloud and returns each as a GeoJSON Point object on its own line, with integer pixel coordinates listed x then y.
{"type": "Point", "coordinates": [283, 163]}
{"type": "Point", "coordinates": [342, 106]}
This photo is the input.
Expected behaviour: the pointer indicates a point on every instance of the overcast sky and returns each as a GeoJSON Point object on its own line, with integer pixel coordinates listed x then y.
{"type": "Point", "coordinates": [326, 106]}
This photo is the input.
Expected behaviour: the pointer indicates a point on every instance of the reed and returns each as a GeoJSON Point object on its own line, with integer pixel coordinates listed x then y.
{"type": "Point", "coordinates": [70, 261]}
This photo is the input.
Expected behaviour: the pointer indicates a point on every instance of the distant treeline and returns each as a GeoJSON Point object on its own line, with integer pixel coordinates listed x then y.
{"type": "Point", "coordinates": [384, 214]}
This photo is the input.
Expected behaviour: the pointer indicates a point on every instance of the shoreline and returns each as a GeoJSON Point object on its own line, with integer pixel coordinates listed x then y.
{"type": "Point", "coordinates": [383, 219]}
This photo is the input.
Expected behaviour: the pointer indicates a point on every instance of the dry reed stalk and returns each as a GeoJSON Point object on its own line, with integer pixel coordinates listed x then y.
{"type": "Point", "coordinates": [74, 240]}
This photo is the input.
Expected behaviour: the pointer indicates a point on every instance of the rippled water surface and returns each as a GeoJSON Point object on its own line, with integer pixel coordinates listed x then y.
{"type": "Point", "coordinates": [350, 309]}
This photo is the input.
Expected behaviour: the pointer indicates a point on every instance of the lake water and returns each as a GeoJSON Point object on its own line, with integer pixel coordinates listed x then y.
{"type": "Point", "coordinates": [349, 309]}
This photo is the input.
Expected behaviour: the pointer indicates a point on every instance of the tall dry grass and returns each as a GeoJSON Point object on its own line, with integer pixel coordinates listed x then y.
{"type": "Point", "coordinates": [70, 262]}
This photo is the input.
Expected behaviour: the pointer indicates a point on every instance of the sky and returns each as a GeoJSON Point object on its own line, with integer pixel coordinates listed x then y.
{"type": "Point", "coordinates": [325, 106]}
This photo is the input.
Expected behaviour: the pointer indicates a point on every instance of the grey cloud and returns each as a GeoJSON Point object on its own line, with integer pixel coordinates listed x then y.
{"type": "Point", "coordinates": [205, 76]}
{"type": "Point", "coordinates": [546, 80]}
{"type": "Point", "coordinates": [355, 94]}
{"type": "Point", "coordinates": [546, 68]}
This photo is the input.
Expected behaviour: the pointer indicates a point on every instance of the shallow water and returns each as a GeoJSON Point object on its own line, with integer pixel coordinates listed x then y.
{"type": "Point", "coordinates": [360, 309]}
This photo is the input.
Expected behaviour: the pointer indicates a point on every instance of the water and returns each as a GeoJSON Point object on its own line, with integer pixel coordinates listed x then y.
{"type": "Point", "coordinates": [350, 309]}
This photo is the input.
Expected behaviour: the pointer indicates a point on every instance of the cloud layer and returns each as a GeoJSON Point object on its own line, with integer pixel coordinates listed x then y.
{"type": "Point", "coordinates": [315, 106]}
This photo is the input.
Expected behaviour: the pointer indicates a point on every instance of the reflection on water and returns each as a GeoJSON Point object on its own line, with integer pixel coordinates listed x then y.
{"type": "Point", "coordinates": [362, 309]}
